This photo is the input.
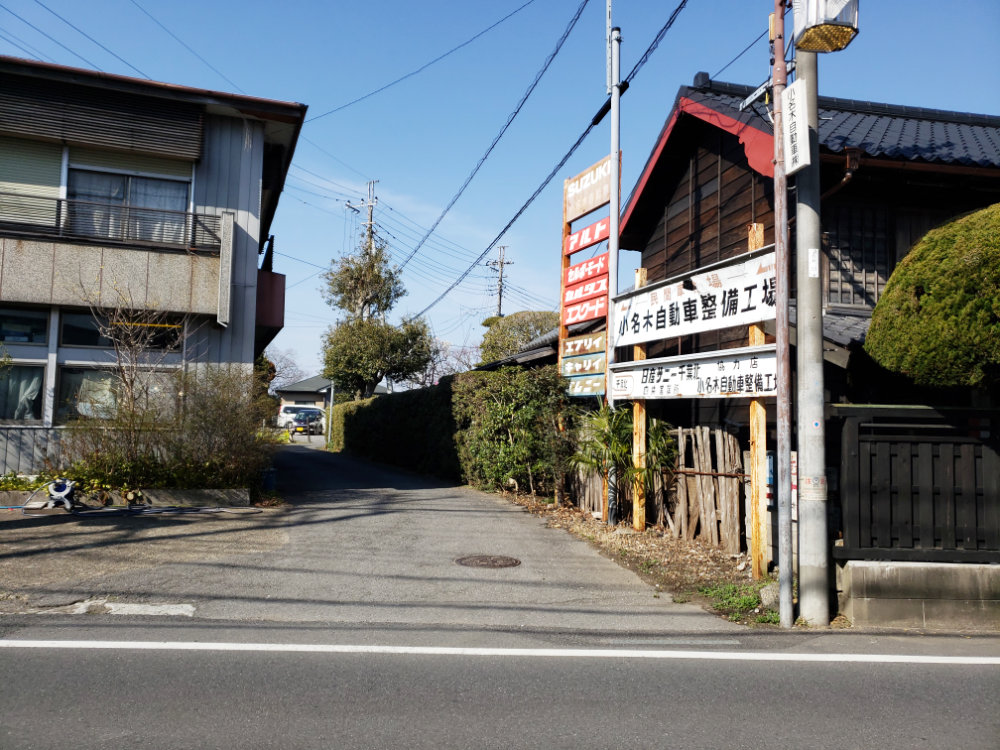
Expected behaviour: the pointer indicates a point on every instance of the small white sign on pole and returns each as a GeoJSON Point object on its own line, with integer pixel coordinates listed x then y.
{"type": "Point", "coordinates": [795, 127]}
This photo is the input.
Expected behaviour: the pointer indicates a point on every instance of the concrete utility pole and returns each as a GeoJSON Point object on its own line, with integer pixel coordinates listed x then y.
{"type": "Point", "coordinates": [370, 224]}
{"type": "Point", "coordinates": [613, 231]}
{"type": "Point", "coordinates": [615, 208]}
{"type": "Point", "coordinates": [499, 264]}
{"type": "Point", "coordinates": [782, 294]}
{"type": "Point", "coordinates": [814, 587]}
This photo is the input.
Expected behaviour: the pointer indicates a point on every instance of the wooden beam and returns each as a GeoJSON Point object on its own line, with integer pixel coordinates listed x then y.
{"type": "Point", "coordinates": [759, 542]}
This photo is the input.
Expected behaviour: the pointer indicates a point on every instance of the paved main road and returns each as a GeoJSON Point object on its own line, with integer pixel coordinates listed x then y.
{"type": "Point", "coordinates": [345, 621]}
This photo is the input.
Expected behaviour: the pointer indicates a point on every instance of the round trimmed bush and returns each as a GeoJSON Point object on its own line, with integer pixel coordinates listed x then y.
{"type": "Point", "coordinates": [938, 320]}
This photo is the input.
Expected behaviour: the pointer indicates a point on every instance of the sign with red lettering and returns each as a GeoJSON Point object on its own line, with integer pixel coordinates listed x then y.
{"type": "Point", "coordinates": [584, 311]}
{"type": "Point", "coordinates": [586, 290]}
{"type": "Point", "coordinates": [587, 270]}
{"type": "Point", "coordinates": [596, 232]}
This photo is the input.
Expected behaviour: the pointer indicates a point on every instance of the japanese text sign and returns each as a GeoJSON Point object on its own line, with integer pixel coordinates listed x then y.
{"type": "Point", "coordinates": [586, 290]}
{"type": "Point", "coordinates": [589, 343]}
{"type": "Point", "coordinates": [596, 232]}
{"type": "Point", "coordinates": [749, 372]}
{"type": "Point", "coordinates": [795, 127]}
{"type": "Point", "coordinates": [587, 270]}
{"type": "Point", "coordinates": [584, 311]}
{"type": "Point", "coordinates": [741, 293]}
{"type": "Point", "coordinates": [588, 190]}
{"type": "Point", "coordinates": [585, 385]}
{"type": "Point", "coordinates": [586, 364]}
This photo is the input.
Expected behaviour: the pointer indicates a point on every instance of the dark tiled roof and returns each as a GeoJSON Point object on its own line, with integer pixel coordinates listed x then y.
{"type": "Point", "coordinates": [309, 385]}
{"type": "Point", "coordinates": [885, 130]}
{"type": "Point", "coordinates": [841, 327]}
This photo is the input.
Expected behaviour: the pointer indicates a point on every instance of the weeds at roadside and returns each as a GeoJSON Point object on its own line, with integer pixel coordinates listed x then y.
{"type": "Point", "coordinates": [740, 602]}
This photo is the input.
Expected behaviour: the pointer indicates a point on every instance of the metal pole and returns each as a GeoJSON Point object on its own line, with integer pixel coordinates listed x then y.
{"type": "Point", "coordinates": [616, 42]}
{"type": "Point", "coordinates": [782, 290]}
{"type": "Point", "coordinates": [814, 590]}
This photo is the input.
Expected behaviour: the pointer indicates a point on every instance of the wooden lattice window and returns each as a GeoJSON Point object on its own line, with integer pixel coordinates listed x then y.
{"type": "Point", "coordinates": [858, 241]}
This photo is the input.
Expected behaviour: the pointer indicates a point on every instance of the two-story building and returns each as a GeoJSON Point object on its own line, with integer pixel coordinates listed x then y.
{"type": "Point", "coordinates": [117, 190]}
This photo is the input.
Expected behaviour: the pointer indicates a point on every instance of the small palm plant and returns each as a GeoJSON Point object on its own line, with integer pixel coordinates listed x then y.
{"type": "Point", "coordinates": [605, 442]}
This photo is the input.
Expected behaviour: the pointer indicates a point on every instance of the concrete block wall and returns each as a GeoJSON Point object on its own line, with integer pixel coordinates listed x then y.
{"type": "Point", "coordinates": [921, 595]}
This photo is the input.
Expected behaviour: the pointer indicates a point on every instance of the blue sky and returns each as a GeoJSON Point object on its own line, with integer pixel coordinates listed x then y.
{"type": "Point", "coordinates": [421, 138]}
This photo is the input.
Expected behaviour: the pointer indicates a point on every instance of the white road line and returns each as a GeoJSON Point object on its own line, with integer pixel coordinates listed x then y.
{"type": "Point", "coordinates": [570, 653]}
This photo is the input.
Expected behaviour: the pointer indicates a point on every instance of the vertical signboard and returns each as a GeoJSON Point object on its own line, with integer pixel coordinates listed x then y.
{"type": "Point", "coordinates": [584, 287]}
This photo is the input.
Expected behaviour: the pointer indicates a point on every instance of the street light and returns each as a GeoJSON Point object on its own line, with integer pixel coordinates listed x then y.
{"type": "Point", "coordinates": [820, 26]}
{"type": "Point", "coordinates": [824, 25]}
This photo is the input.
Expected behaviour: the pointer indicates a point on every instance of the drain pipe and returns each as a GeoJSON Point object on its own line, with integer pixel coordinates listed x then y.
{"type": "Point", "coordinates": [852, 158]}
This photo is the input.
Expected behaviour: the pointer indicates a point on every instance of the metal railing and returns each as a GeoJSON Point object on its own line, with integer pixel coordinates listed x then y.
{"type": "Point", "coordinates": [115, 223]}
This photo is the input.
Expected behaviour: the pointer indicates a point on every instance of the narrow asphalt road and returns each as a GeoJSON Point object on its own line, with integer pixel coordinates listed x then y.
{"type": "Point", "coordinates": [358, 543]}
{"type": "Point", "coordinates": [344, 620]}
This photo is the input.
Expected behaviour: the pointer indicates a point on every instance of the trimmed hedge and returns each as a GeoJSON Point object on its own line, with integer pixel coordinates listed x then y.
{"type": "Point", "coordinates": [938, 320]}
{"type": "Point", "coordinates": [410, 429]}
{"type": "Point", "coordinates": [485, 428]}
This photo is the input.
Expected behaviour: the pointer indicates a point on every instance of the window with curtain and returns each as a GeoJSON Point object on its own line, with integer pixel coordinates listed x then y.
{"type": "Point", "coordinates": [21, 393]}
{"type": "Point", "coordinates": [89, 392]}
{"type": "Point", "coordinates": [126, 207]}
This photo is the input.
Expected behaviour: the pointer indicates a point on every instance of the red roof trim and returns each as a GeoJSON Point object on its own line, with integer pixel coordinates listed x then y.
{"type": "Point", "coordinates": [757, 144]}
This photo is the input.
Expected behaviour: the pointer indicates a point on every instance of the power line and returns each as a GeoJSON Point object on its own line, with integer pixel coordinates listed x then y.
{"type": "Point", "coordinates": [656, 42]}
{"type": "Point", "coordinates": [84, 33]}
{"type": "Point", "coordinates": [562, 162]}
{"type": "Point", "coordinates": [187, 47]}
{"type": "Point", "coordinates": [422, 67]}
{"type": "Point", "coordinates": [510, 119]}
{"type": "Point", "coordinates": [29, 50]}
{"type": "Point", "coordinates": [745, 50]}
{"type": "Point", "coordinates": [49, 37]}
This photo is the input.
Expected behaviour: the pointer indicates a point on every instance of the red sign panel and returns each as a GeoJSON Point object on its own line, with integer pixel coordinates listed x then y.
{"type": "Point", "coordinates": [587, 270]}
{"type": "Point", "coordinates": [586, 290]}
{"type": "Point", "coordinates": [596, 232]}
{"type": "Point", "coordinates": [583, 311]}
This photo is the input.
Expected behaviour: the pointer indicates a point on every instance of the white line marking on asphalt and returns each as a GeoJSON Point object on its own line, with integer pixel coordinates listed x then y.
{"type": "Point", "coordinates": [570, 653]}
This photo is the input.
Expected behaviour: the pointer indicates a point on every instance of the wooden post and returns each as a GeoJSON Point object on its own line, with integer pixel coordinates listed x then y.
{"type": "Point", "coordinates": [639, 434]}
{"type": "Point", "coordinates": [760, 544]}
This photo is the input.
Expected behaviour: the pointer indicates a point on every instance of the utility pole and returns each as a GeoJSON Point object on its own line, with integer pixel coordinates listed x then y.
{"type": "Point", "coordinates": [499, 264]}
{"type": "Point", "coordinates": [370, 224]}
{"type": "Point", "coordinates": [613, 231]}
{"type": "Point", "coordinates": [782, 294]}
{"type": "Point", "coordinates": [814, 587]}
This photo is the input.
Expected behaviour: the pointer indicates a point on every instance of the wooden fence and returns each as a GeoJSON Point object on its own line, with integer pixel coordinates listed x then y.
{"type": "Point", "coordinates": [920, 484]}
{"type": "Point", "coordinates": [699, 499]}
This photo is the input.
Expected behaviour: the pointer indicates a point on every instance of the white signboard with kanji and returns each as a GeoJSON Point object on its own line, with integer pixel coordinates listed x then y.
{"type": "Point", "coordinates": [795, 127]}
{"type": "Point", "coordinates": [737, 294]}
{"type": "Point", "coordinates": [748, 372]}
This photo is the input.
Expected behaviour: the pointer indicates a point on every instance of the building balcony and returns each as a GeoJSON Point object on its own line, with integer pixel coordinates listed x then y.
{"type": "Point", "coordinates": [34, 217]}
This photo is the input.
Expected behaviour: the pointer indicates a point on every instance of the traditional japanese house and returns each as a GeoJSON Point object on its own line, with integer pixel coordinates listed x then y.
{"type": "Point", "coordinates": [888, 174]}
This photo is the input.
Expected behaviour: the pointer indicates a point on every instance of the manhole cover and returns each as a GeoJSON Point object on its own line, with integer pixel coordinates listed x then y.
{"type": "Point", "coordinates": [488, 561]}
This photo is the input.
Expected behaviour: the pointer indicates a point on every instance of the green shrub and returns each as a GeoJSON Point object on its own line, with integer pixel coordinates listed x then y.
{"type": "Point", "coordinates": [514, 425]}
{"type": "Point", "coordinates": [938, 320]}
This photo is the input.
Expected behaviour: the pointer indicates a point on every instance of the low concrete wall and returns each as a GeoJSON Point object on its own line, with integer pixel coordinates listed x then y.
{"type": "Point", "coordinates": [920, 595]}
{"type": "Point", "coordinates": [184, 498]}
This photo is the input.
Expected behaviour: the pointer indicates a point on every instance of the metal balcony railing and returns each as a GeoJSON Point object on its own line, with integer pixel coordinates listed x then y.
{"type": "Point", "coordinates": [114, 223]}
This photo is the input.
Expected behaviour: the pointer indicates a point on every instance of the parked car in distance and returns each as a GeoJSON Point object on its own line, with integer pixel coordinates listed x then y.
{"type": "Point", "coordinates": [307, 422]}
{"type": "Point", "coordinates": [286, 414]}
